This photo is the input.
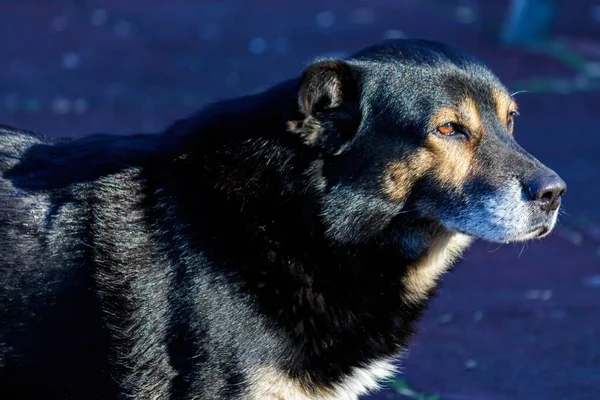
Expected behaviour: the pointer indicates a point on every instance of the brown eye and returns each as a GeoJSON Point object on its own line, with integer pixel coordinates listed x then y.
{"type": "Point", "coordinates": [447, 129]}
{"type": "Point", "coordinates": [510, 120]}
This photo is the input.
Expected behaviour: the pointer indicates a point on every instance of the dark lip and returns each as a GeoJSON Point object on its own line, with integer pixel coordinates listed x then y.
{"type": "Point", "coordinates": [544, 230]}
{"type": "Point", "coordinates": [540, 231]}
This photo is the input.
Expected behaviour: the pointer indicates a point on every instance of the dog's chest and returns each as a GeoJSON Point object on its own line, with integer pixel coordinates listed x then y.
{"type": "Point", "coordinates": [268, 383]}
{"type": "Point", "coordinates": [273, 384]}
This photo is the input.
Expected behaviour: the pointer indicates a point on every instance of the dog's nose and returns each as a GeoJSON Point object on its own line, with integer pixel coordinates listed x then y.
{"type": "Point", "coordinates": [546, 190]}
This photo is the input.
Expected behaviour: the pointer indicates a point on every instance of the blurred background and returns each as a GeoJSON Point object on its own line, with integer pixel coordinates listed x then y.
{"type": "Point", "coordinates": [514, 322]}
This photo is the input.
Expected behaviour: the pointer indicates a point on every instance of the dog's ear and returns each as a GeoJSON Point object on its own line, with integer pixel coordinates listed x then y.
{"type": "Point", "coordinates": [328, 106]}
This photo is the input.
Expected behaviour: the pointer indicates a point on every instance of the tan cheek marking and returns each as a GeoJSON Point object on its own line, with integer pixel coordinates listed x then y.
{"type": "Point", "coordinates": [401, 175]}
{"type": "Point", "coordinates": [423, 275]}
{"type": "Point", "coordinates": [453, 162]}
{"type": "Point", "coordinates": [269, 383]}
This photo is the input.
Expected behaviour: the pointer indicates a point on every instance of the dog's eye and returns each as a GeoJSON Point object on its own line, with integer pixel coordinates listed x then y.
{"type": "Point", "coordinates": [510, 120]}
{"type": "Point", "coordinates": [447, 129]}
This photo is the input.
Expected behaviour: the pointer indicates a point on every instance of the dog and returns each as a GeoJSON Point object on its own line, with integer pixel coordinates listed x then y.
{"type": "Point", "coordinates": [279, 246]}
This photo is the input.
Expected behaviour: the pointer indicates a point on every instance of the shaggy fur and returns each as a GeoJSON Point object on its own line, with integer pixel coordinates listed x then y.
{"type": "Point", "coordinates": [279, 246]}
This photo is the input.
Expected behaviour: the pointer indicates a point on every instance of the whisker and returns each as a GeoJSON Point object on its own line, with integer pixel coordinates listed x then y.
{"type": "Point", "coordinates": [496, 249]}
{"type": "Point", "coordinates": [519, 92]}
{"type": "Point", "coordinates": [406, 211]}
{"type": "Point", "coordinates": [522, 248]}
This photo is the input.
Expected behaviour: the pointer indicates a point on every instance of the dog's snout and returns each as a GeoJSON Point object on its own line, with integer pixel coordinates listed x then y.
{"type": "Point", "coordinates": [546, 190]}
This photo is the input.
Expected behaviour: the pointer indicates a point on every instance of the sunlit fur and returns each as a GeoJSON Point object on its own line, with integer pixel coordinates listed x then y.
{"type": "Point", "coordinates": [277, 246]}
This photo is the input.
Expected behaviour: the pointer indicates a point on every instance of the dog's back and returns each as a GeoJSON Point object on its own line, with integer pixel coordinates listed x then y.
{"type": "Point", "coordinates": [52, 327]}
{"type": "Point", "coordinates": [95, 281]}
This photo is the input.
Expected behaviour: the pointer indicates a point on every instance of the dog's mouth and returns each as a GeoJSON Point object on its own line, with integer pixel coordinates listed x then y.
{"type": "Point", "coordinates": [542, 231]}
{"type": "Point", "coordinates": [539, 232]}
{"type": "Point", "coordinates": [501, 224]}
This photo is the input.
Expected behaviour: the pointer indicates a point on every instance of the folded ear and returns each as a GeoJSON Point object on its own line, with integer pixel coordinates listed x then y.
{"type": "Point", "coordinates": [328, 105]}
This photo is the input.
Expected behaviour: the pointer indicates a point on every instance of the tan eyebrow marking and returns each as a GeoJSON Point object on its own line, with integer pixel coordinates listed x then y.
{"type": "Point", "coordinates": [466, 114]}
{"type": "Point", "coordinates": [504, 104]}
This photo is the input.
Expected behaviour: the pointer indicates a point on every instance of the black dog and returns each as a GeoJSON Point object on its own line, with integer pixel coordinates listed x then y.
{"type": "Point", "coordinates": [275, 246]}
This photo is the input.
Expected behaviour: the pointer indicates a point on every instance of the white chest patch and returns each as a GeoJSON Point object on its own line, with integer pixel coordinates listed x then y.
{"type": "Point", "coordinates": [270, 384]}
{"type": "Point", "coordinates": [364, 380]}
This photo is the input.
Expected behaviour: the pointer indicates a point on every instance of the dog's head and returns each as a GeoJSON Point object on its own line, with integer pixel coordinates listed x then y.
{"type": "Point", "coordinates": [411, 127]}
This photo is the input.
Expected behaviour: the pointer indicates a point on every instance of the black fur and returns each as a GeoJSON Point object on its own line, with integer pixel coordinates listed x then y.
{"type": "Point", "coordinates": [172, 265]}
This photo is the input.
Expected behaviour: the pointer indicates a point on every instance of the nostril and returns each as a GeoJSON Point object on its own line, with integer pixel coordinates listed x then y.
{"type": "Point", "coordinates": [546, 190]}
{"type": "Point", "coordinates": [548, 196]}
